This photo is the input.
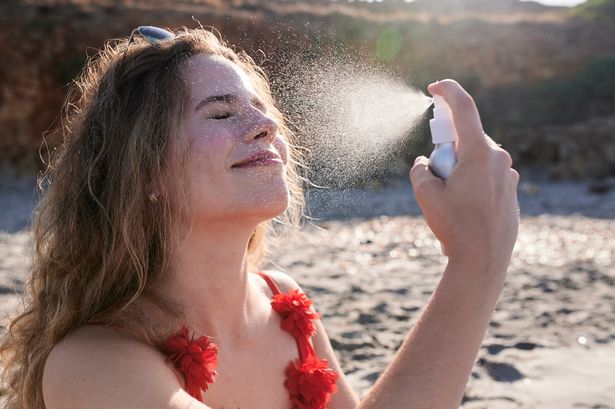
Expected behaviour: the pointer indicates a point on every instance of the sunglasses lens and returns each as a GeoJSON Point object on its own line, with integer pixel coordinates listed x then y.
{"type": "Point", "coordinates": [155, 34]}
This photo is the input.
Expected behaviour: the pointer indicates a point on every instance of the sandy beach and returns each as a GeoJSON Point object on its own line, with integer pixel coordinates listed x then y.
{"type": "Point", "coordinates": [370, 263]}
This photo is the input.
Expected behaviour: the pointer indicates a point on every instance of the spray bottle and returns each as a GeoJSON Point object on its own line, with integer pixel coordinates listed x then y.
{"type": "Point", "coordinates": [444, 135]}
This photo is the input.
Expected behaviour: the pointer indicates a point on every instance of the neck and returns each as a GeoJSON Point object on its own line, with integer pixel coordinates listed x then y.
{"type": "Point", "coordinates": [209, 279]}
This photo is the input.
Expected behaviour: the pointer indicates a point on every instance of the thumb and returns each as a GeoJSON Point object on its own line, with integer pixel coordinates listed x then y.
{"type": "Point", "coordinates": [427, 186]}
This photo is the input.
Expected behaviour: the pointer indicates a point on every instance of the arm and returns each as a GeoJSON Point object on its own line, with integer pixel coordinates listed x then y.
{"type": "Point", "coordinates": [475, 217]}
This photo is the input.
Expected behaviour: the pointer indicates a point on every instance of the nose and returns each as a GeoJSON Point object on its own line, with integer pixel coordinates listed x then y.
{"type": "Point", "coordinates": [262, 126]}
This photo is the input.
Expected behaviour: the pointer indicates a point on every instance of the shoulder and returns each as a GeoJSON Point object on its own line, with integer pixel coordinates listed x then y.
{"type": "Point", "coordinates": [97, 367]}
{"type": "Point", "coordinates": [283, 280]}
{"type": "Point", "coordinates": [286, 284]}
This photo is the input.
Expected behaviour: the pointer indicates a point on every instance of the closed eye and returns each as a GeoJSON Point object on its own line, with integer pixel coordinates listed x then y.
{"type": "Point", "coordinates": [223, 115]}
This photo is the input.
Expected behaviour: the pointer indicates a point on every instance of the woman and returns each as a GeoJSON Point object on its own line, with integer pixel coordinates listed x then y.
{"type": "Point", "coordinates": [157, 210]}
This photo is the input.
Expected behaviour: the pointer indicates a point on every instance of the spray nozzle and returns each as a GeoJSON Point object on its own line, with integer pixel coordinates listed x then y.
{"type": "Point", "coordinates": [441, 108]}
{"type": "Point", "coordinates": [442, 125]}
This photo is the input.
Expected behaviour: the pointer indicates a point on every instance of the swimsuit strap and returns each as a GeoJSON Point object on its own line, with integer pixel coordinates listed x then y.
{"type": "Point", "coordinates": [310, 380]}
{"type": "Point", "coordinates": [303, 343]}
{"type": "Point", "coordinates": [270, 282]}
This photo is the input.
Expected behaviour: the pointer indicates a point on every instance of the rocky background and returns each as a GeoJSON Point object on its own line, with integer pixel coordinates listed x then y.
{"type": "Point", "coordinates": [543, 77]}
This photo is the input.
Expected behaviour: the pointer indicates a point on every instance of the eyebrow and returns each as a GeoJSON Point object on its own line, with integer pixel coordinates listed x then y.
{"type": "Point", "coordinates": [227, 99]}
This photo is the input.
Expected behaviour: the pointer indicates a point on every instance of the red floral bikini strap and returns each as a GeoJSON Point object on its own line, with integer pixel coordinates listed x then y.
{"type": "Point", "coordinates": [309, 380]}
{"type": "Point", "coordinates": [270, 282]}
{"type": "Point", "coordinates": [296, 315]}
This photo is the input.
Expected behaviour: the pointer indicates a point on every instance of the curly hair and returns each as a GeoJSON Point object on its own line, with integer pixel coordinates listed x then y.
{"type": "Point", "coordinates": [100, 242]}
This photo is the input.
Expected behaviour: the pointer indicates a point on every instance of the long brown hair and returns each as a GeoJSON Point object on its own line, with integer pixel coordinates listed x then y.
{"type": "Point", "coordinates": [100, 239]}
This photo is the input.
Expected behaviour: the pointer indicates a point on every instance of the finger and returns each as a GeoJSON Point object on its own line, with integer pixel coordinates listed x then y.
{"type": "Point", "coordinates": [515, 177]}
{"type": "Point", "coordinates": [443, 249]}
{"type": "Point", "coordinates": [426, 185]}
{"type": "Point", "coordinates": [465, 114]}
{"type": "Point", "coordinates": [491, 142]}
{"type": "Point", "coordinates": [502, 158]}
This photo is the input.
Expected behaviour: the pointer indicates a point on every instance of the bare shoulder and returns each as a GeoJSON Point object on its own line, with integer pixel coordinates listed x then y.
{"type": "Point", "coordinates": [97, 367]}
{"type": "Point", "coordinates": [284, 281]}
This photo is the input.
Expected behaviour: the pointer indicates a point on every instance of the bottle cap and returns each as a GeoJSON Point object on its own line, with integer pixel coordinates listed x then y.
{"type": "Point", "coordinates": [442, 125]}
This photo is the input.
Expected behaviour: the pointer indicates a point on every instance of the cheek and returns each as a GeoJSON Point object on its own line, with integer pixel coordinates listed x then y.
{"type": "Point", "coordinates": [208, 152]}
{"type": "Point", "coordinates": [282, 147]}
{"type": "Point", "coordinates": [209, 141]}
{"type": "Point", "coordinates": [199, 145]}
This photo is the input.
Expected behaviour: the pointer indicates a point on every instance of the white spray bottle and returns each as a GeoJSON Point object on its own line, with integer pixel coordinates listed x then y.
{"type": "Point", "coordinates": [444, 135]}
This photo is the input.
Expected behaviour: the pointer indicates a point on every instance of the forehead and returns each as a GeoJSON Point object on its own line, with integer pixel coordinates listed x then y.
{"type": "Point", "coordinates": [209, 75]}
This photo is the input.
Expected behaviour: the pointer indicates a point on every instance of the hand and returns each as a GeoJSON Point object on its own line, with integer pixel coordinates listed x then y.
{"type": "Point", "coordinates": [474, 214]}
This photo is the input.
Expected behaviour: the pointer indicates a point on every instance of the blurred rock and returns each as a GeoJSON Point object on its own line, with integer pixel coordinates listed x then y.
{"type": "Point", "coordinates": [529, 188]}
{"type": "Point", "coordinates": [599, 186]}
{"type": "Point", "coordinates": [483, 44]}
{"type": "Point", "coordinates": [585, 150]}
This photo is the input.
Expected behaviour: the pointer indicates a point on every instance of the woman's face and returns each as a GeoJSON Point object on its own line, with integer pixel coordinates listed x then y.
{"type": "Point", "coordinates": [226, 124]}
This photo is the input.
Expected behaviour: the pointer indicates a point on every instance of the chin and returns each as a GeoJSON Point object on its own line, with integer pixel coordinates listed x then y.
{"type": "Point", "coordinates": [253, 200]}
{"type": "Point", "coordinates": [269, 205]}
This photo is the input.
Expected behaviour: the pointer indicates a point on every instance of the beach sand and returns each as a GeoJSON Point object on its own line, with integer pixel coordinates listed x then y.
{"type": "Point", "coordinates": [370, 263]}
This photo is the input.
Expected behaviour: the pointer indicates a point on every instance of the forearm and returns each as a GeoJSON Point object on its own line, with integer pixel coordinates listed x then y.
{"type": "Point", "coordinates": [433, 364]}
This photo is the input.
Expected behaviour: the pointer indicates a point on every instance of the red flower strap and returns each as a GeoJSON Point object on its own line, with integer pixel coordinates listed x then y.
{"type": "Point", "coordinates": [309, 380]}
{"type": "Point", "coordinates": [296, 313]}
{"type": "Point", "coordinates": [310, 383]}
{"type": "Point", "coordinates": [196, 359]}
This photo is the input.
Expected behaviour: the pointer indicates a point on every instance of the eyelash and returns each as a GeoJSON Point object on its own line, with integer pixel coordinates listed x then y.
{"type": "Point", "coordinates": [227, 115]}
{"type": "Point", "coordinates": [221, 116]}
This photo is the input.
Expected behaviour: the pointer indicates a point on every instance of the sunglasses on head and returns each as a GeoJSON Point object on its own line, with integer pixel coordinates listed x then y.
{"type": "Point", "coordinates": [153, 35]}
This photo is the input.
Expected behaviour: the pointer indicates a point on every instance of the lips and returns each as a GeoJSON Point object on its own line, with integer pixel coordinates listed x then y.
{"type": "Point", "coordinates": [258, 157]}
